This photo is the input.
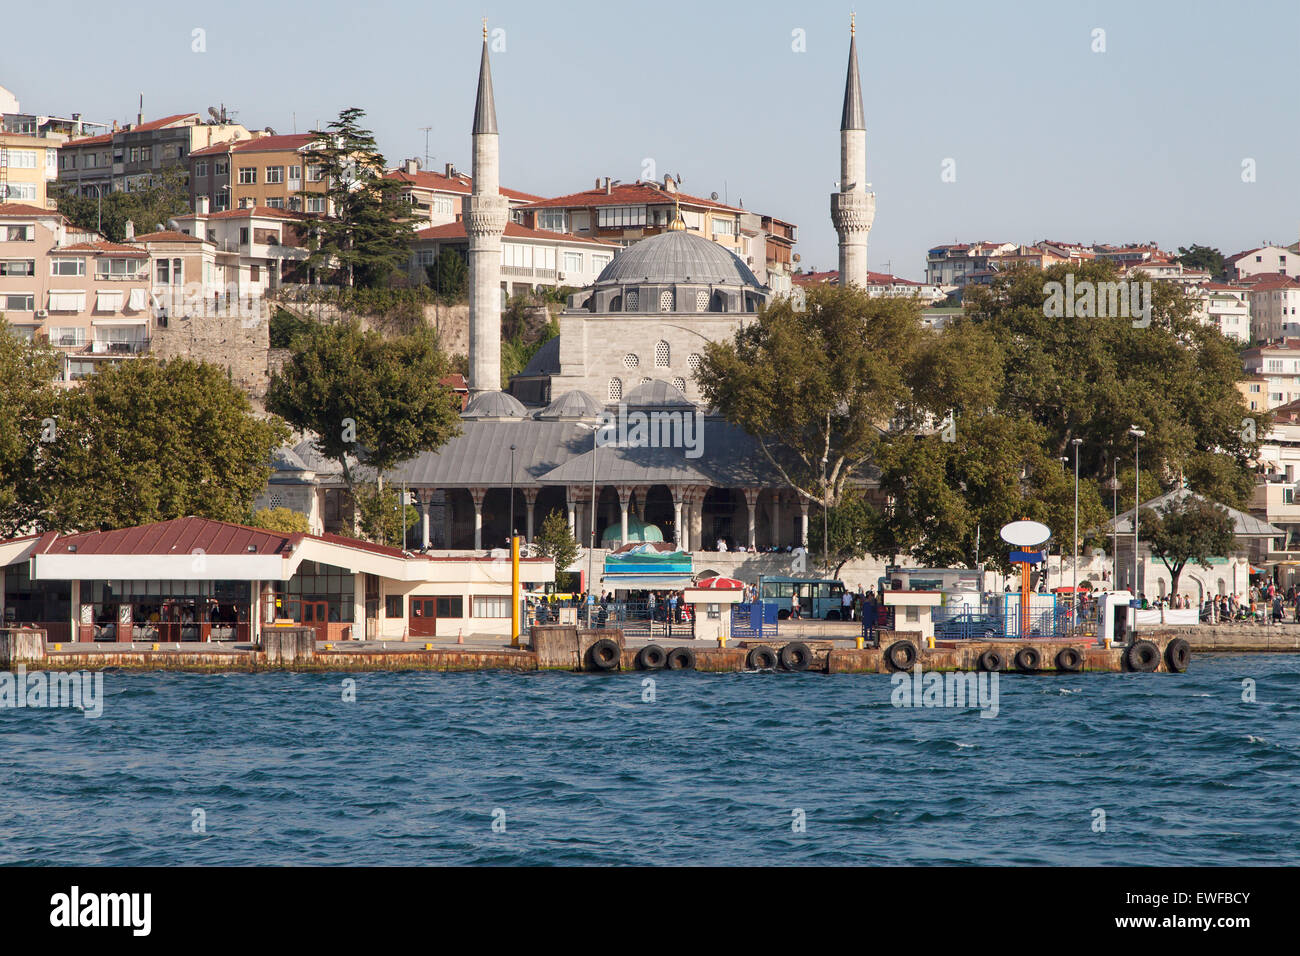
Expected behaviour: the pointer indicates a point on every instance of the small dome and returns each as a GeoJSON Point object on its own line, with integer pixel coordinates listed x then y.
{"type": "Point", "coordinates": [572, 404]}
{"type": "Point", "coordinates": [656, 394]}
{"type": "Point", "coordinates": [494, 405]}
{"type": "Point", "coordinates": [636, 531]}
{"type": "Point", "coordinates": [678, 257]}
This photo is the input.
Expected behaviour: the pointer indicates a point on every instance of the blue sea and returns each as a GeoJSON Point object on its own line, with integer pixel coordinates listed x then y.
{"type": "Point", "coordinates": [570, 769]}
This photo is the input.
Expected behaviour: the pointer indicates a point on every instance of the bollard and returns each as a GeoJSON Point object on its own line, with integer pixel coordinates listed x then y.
{"type": "Point", "coordinates": [929, 642]}
{"type": "Point", "coordinates": [859, 642]}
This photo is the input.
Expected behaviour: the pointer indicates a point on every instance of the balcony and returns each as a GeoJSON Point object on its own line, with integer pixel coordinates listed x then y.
{"type": "Point", "coordinates": [117, 349]}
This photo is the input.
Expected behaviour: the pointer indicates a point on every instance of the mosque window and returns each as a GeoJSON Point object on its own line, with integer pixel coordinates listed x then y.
{"type": "Point", "coordinates": [661, 355]}
{"type": "Point", "coordinates": [666, 300]}
{"type": "Point", "coordinates": [701, 300]}
{"type": "Point", "coordinates": [633, 297]}
{"type": "Point", "coordinates": [679, 384]}
{"type": "Point", "coordinates": [631, 360]}
{"type": "Point", "coordinates": [645, 381]}
{"type": "Point", "coordinates": [693, 363]}
{"type": "Point", "coordinates": [615, 389]}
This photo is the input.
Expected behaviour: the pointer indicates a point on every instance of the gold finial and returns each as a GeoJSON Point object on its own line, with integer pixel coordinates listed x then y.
{"type": "Point", "coordinates": [853, 23]}
{"type": "Point", "coordinates": [678, 224]}
{"type": "Point", "coordinates": [485, 28]}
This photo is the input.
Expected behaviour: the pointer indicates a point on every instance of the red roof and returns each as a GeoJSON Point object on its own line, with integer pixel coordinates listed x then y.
{"type": "Point", "coordinates": [215, 149]}
{"type": "Point", "coordinates": [264, 211]}
{"type": "Point", "coordinates": [459, 183]}
{"type": "Point", "coordinates": [631, 194]}
{"type": "Point", "coordinates": [456, 230]}
{"type": "Point", "coordinates": [1273, 281]}
{"type": "Point", "coordinates": [104, 247]}
{"type": "Point", "coordinates": [25, 211]}
{"type": "Point", "coordinates": [816, 278]}
{"type": "Point", "coordinates": [101, 139]}
{"type": "Point", "coordinates": [720, 584]}
{"type": "Point", "coordinates": [178, 536]}
{"type": "Point", "coordinates": [266, 144]}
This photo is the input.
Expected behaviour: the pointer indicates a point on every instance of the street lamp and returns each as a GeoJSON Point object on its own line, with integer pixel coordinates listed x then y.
{"type": "Point", "coordinates": [511, 540]}
{"type": "Point", "coordinates": [1138, 434]}
{"type": "Point", "coordinates": [826, 494]}
{"type": "Point", "coordinates": [1113, 486]}
{"type": "Point", "coordinates": [1074, 601]}
{"type": "Point", "coordinates": [591, 545]}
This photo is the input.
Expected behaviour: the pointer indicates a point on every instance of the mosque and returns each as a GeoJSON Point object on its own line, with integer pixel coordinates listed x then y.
{"type": "Point", "coordinates": [630, 343]}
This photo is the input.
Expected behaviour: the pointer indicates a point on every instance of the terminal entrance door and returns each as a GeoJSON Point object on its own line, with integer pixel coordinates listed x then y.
{"type": "Point", "coordinates": [315, 614]}
{"type": "Point", "coordinates": [423, 618]}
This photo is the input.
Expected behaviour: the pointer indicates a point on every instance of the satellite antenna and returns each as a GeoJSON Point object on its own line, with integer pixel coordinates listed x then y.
{"type": "Point", "coordinates": [713, 196]}
{"type": "Point", "coordinates": [216, 117]}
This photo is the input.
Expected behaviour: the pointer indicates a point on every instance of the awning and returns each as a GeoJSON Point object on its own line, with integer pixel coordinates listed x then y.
{"type": "Point", "coordinates": [647, 582]}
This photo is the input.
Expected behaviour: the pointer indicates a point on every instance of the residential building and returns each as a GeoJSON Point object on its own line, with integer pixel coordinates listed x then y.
{"type": "Point", "coordinates": [953, 265]}
{"type": "Point", "coordinates": [126, 158]}
{"type": "Point", "coordinates": [266, 170]}
{"type": "Point", "coordinates": [27, 165]}
{"type": "Point", "coordinates": [256, 249]}
{"type": "Point", "coordinates": [14, 120]}
{"type": "Point", "coordinates": [878, 284]}
{"type": "Point", "coordinates": [531, 259]}
{"type": "Point", "coordinates": [436, 198]}
{"type": "Point", "coordinates": [1274, 306]}
{"type": "Point", "coordinates": [1267, 258]}
{"type": "Point", "coordinates": [1277, 364]}
{"type": "Point", "coordinates": [1224, 306]}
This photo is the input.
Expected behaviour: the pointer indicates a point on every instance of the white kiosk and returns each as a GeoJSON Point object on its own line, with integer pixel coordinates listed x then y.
{"type": "Point", "coordinates": [711, 601]}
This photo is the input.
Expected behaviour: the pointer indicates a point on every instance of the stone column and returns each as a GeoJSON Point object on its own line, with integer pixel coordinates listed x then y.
{"type": "Point", "coordinates": [478, 494]}
{"type": "Point", "coordinates": [679, 533]}
{"type": "Point", "coordinates": [776, 519]}
{"type": "Point", "coordinates": [571, 499]}
{"type": "Point", "coordinates": [624, 496]}
{"type": "Point", "coordinates": [530, 497]}
{"type": "Point", "coordinates": [426, 504]}
{"type": "Point", "coordinates": [751, 499]}
{"type": "Point", "coordinates": [803, 522]}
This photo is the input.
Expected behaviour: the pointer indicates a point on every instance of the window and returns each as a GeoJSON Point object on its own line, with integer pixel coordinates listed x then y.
{"type": "Point", "coordinates": [67, 267]}
{"type": "Point", "coordinates": [450, 607]}
{"type": "Point", "coordinates": [661, 355]}
{"type": "Point", "coordinates": [573, 262]}
{"type": "Point", "coordinates": [220, 167]}
{"type": "Point", "coordinates": [316, 204]}
{"type": "Point", "coordinates": [22, 158]}
{"type": "Point", "coordinates": [23, 192]}
{"type": "Point", "coordinates": [613, 217]}
{"type": "Point", "coordinates": [201, 168]}
{"type": "Point", "coordinates": [169, 272]}
{"type": "Point", "coordinates": [701, 300]}
{"type": "Point", "coordinates": [146, 154]}
{"type": "Point", "coordinates": [295, 174]}
{"type": "Point", "coordinates": [315, 173]}
{"type": "Point", "coordinates": [633, 297]}
{"type": "Point", "coordinates": [679, 384]}
{"type": "Point", "coordinates": [17, 267]}
{"type": "Point", "coordinates": [393, 605]}
{"type": "Point", "coordinates": [275, 202]}
{"type": "Point", "coordinates": [248, 175]}
{"type": "Point", "coordinates": [255, 273]}
{"type": "Point", "coordinates": [67, 336]}
{"type": "Point", "coordinates": [631, 360]}
{"type": "Point", "coordinates": [135, 154]}
{"type": "Point", "coordinates": [599, 262]}
{"type": "Point", "coordinates": [243, 235]}
{"type": "Point", "coordinates": [116, 268]}
{"type": "Point", "coordinates": [24, 233]}
{"type": "Point", "coordinates": [615, 393]}
{"type": "Point", "coordinates": [491, 607]}
{"type": "Point", "coordinates": [221, 201]}
{"type": "Point", "coordinates": [443, 205]}
{"type": "Point", "coordinates": [666, 300]}
{"type": "Point", "coordinates": [724, 227]}
{"type": "Point", "coordinates": [693, 363]}
{"type": "Point", "coordinates": [17, 302]}
{"type": "Point", "coordinates": [275, 174]}
{"type": "Point", "coordinates": [551, 219]}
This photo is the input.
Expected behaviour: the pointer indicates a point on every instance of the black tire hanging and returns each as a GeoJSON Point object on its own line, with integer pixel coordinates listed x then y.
{"type": "Point", "coordinates": [1142, 657]}
{"type": "Point", "coordinates": [796, 656]}
{"type": "Point", "coordinates": [901, 655]}
{"type": "Point", "coordinates": [605, 655]}
{"type": "Point", "coordinates": [1028, 660]}
{"type": "Point", "coordinates": [991, 661]}
{"type": "Point", "coordinates": [1177, 653]}
{"type": "Point", "coordinates": [761, 658]}
{"type": "Point", "coordinates": [1069, 660]}
{"type": "Point", "coordinates": [652, 657]}
{"type": "Point", "coordinates": [681, 659]}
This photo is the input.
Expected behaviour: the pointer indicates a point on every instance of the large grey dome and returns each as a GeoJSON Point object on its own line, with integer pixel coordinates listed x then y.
{"type": "Point", "coordinates": [678, 256]}
{"type": "Point", "coordinates": [494, 405]}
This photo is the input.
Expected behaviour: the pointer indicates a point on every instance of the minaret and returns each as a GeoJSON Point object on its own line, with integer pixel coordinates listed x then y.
{"type": "Point", "coordinates": [485, 214]}
{"type": "Point", "coordinates": [853, 208]}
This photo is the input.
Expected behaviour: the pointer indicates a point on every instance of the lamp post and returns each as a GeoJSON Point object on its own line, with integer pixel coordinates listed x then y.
{"type": "Point", "coordinates": [826, 493]}
{"type": "Point", "coordinates": [1138, 434]}
{"type": "Point", "coordinates": [591, 544]}
{"type": "Point", "coordinates": [1113, 486]}
{"type": "Point", "coordinates": [511, 537]}
{"type": "Point", "coordinates": [1074, 600]}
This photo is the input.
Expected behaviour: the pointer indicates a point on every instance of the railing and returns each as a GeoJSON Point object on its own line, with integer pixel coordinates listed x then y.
{"type": "Point", "coordinates": [754, 620]}
{"type": "Point", "coordinates": [131, 347]}
{"type": "Point", "coordinates": [640, 619]}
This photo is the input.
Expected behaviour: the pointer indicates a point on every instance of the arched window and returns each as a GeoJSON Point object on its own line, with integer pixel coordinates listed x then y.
{"type": "Point", "coordinates": [631, 360]}
{"type": "Point", "coordinates": [645, 381]}
{"type": "Point", "coordinates": [701, 300]}
{"type": "Point", "coordinates": [666, 300]}
{"type": "Point", "coordinates": [615, 389]}
{"type": "Point", "coordinates": [693, 363]}
{"type": "Point", "coordinates": [633, 300]}
{"type": "Point", "coordinates": [662, 353]}
{"type": "Point", "coordinates": [680, 384]}
{"type": "Point", "coordinates": [616, 304]}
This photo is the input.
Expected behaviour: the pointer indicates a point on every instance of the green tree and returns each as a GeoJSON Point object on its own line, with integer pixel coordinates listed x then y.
{"type": "Point", "coordinates": [27, 407]}
{"type": "Point", "coordinates": [1186, 528]}
{"type": "Point", "coordinates": [368, 231]}
{"type": "Point", "coordinates": [283, 520]}
{"type": "Point", "coordinates": [449, 275]}
{"type": "Point", "coordinates": [1205, 258]}
{"type": "Point", "coordinates": [164, 195]}
{"type": "Point", "coordinates": [285, 326]}
{"type": "Point", "coordinates": [556, 541]}
{"type": "Point", "coordinates": [146, 441]}
{"type": "Point", "coordinates": [364, 395]}
{"type": "Point", "coordinates": [381, 515]}
{"type": "Point", "coordinates": [852, 527]}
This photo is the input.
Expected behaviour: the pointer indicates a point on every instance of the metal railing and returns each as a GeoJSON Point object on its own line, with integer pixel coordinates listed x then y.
{"type": "Point", "coordinates": [754, 620]}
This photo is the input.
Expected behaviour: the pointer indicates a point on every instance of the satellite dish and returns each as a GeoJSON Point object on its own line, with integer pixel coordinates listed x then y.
{"type": "Point", "coordinates": [713, 196]}
{"type": "Point", "coordinates": [1025, 534]}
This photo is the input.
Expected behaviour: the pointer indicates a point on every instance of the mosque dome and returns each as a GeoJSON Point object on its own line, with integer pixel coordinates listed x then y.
{"type": "Point", "coordinates": [637, 530]}
{"type": "Point", "coordinates": [678, 256]}
{"type": "Point", "coordinates": [494, 405]}
{"type": "Point", "coordinates": [572, 404]}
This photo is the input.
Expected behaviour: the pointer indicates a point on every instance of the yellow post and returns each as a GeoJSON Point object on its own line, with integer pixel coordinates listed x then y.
{"type": "Point", "coordinates": [514, 590]}
{"type": "Point", "coordinates": [860, 641]}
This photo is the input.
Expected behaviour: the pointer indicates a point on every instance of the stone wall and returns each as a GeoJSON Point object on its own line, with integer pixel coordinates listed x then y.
{"type": "Point", "coordinates": [451, 322]}
{"type": "Point", "coordinates": [236, 343]}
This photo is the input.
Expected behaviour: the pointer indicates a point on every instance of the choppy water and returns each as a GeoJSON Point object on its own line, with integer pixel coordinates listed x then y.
{"type": "Point", "coordinates": [711, 772]}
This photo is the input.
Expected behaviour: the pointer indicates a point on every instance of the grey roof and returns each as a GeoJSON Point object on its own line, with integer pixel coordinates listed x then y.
{"type": "Point", "coordinates": [480, 454]}
{"type": "Point", "coordinates": [485, 109]}
{"type": "Point", "coordinates": [494, 405]}
{"type": "Point", "coordinates": [572, 404]}
{"type": "Point", "coordinates": [852, 117]}
{"type": "Point", "coordinates": [546, 360]}
{"type": "Point", "coordinates": [1244, 525]}
{"type": "Point", "coordinates": [677, 257]}
{"type": "Point", "coordinates": [287, 460]}
{"type": "Point", "coordinates": [656, 393]}
{"type": "Point", "coordinates": [311, 456]}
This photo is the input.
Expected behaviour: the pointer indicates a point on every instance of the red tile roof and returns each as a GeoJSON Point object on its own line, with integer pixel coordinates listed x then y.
{"type": "Point", "coordinates": [178, 536]}
{"type": "Point", "coordinates": [100, 140]}
{"type": "Point", "coordinates": [833, 276]}
{"type": "Point", "coordinates": [459, 183]}
{"type": "Point", "coordinates": [216, 149]}
{"type": "Point", "coordinates": [25, 211]}
{"type": "Point", "coordinates": [266, 144]}
{"type": "Point", "coordinates": [152, 125]}
{"type": "Point", "coordinates": [456, 230]}
{"type": "Point", "coordinates": [261, 211]}
{"type": "Point", "coordinates": [1272, 281]}
{"type": "Point", "coordinates": [103, 247]}
{"type": "Point", "coordinates": [630, 194]}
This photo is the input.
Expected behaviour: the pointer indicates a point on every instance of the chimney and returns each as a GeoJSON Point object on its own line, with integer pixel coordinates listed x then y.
{"type": "Point", "coordinates": [597, 182]}
{"type": "Point", "coordinates": [608, 190]}
{"type": "Point", "coordinates": [449, 170]}
{"type": "Point", "coordinates": [139, 117]}
{"type": "Point", "coordinates": [670, 185]}
{"type": "Point", "coordinates": [412, 166]}
{"type": "Point", "coordinates": [201, 205]}
{"type": "Point", "coordinates": [129, 229]}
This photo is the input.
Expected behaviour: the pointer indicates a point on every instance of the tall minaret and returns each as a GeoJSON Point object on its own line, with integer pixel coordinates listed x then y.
{"type": "Point", "coordinates": [853, 208]}
{"type": "Point", "coordinates": [485, 214]}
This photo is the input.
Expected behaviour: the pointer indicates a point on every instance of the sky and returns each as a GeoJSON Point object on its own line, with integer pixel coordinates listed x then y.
{"type": "Point", "coordinates": [1175, 124]}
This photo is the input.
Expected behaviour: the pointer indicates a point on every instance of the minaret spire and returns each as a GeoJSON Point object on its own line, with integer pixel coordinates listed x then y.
{"type": "Point", "coordinates": [485, 215]}
{"type": "Point", "coordinates": [853, 208]}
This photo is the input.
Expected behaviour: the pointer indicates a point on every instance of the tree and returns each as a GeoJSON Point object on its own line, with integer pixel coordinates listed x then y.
{"type": "Point", "coordinates": [365, 396]}
{"type": "Point", "coordinates": [27, 407]}
{"type": "Point", "coordinates": [815, 386]}
{"type": "Point", "coordinates": [368, 230]}
{"type": "Point", "coordinates": [556, 541]}
{"type": "Point", "coordinates": [1205, 258]}
{"type": "Point", "coordinates": [148, 441]}
{"type": "Point", "coordinates": [852, 530]}
{"type": "Point", "coordinates": [283, 520]}
{"type": "Point", "coordinates": [1186, 528]}
{"type": "Point", "coordinates": [449, 274]}
{"type": "Point", "coordinates": [381, 515]}
{"type": "Point", "coordinates": [164, 195]}
{"type": "Point", "coordinates": [285, 326]}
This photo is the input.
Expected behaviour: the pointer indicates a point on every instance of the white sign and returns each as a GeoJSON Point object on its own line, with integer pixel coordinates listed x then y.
{"type": "Point", "coordinates": [1025, 534]}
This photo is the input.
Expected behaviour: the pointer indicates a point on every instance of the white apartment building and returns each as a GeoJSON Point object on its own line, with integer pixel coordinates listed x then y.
{"type": "Point", "coordinates": [1274, 307]}
{"type": "Point", "coordinates": [1273, 259]}
{"type": "Point", "coordinates": [1277, 367]}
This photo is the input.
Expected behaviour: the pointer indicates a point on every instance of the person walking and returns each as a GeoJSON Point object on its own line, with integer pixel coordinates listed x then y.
{"type": "Point", "coordinates": [794, 606]}
{"type": "Point", "coordinates": [846, 606]}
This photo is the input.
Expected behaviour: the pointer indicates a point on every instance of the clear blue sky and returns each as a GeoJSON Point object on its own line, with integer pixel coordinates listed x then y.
{"type": "Point", "coordinates": [1051, 140]}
